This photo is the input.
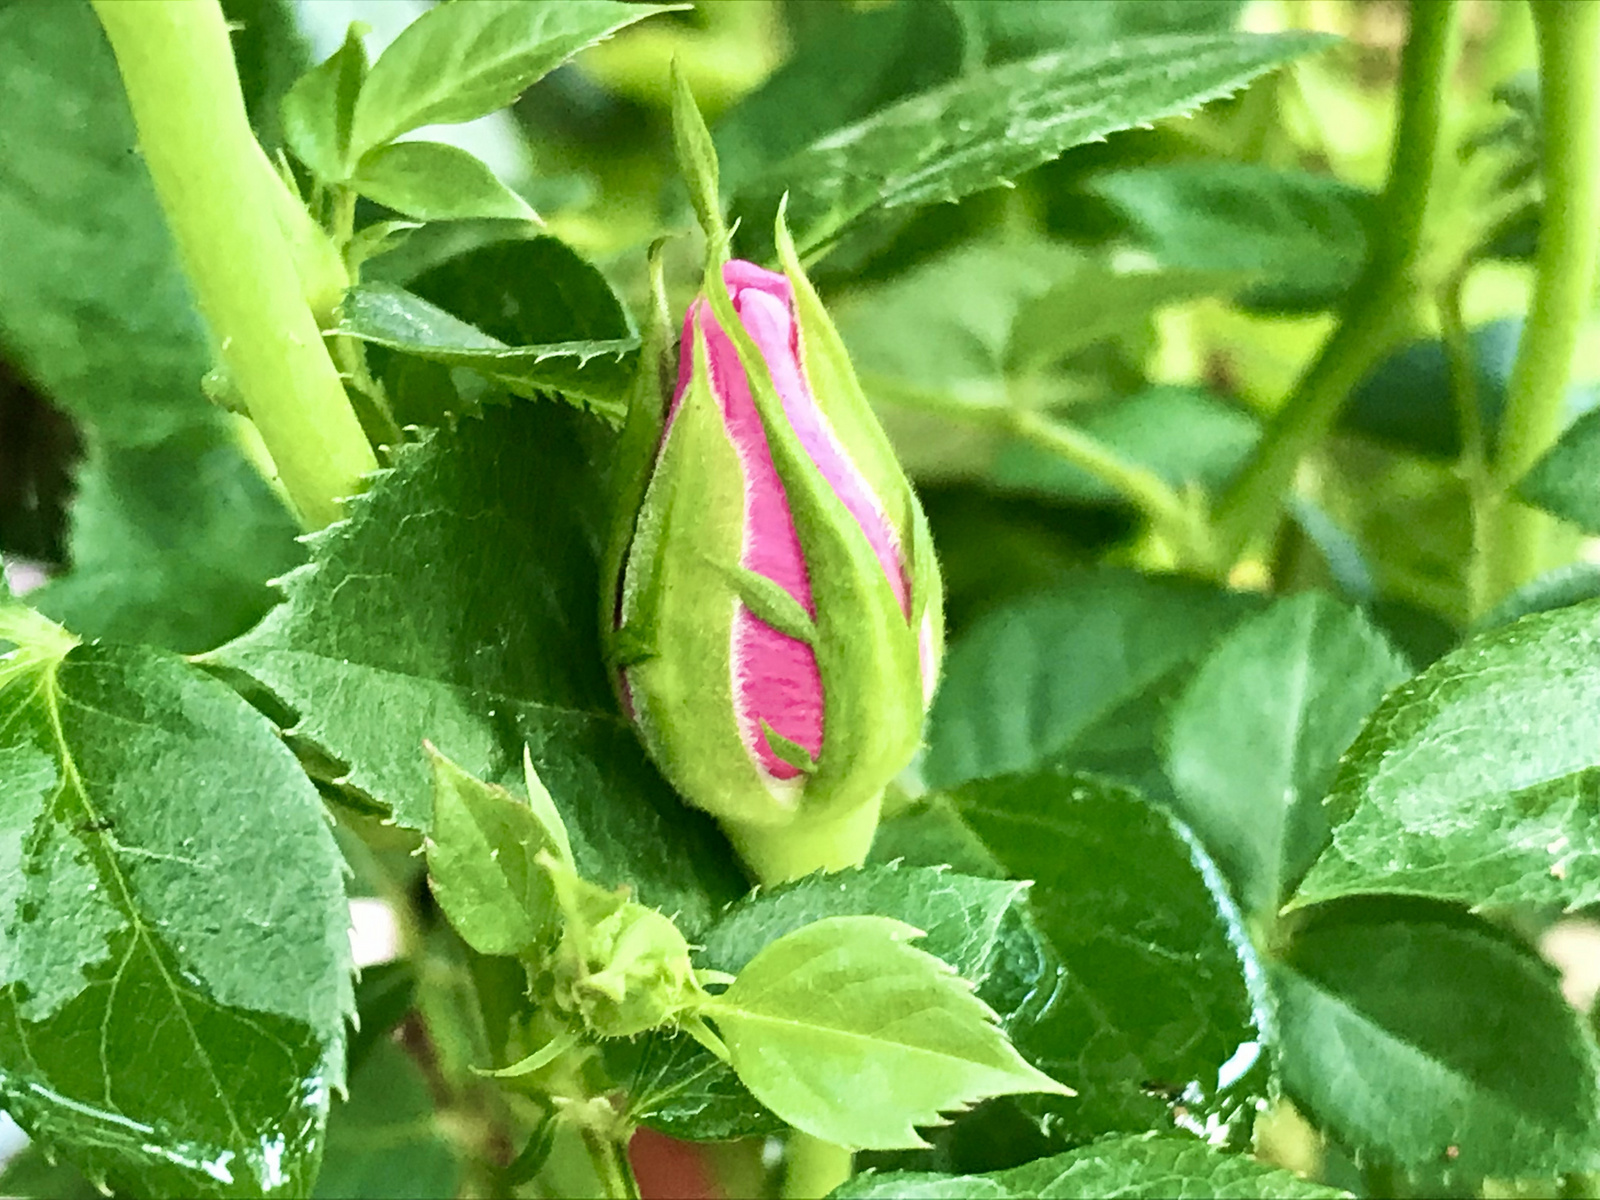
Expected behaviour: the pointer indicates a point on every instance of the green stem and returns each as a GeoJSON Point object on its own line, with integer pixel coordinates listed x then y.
{"type": "Point", "coordinates": [611, 1166]}
{"type": "Point", "coordinates": [183, 88]}
{"type": "Point", "coordinates": [1473, 465]}
{"type": "Point", "coordinates": [779, 853]}
{"type": "Point", "coordinates": [1375, 315]}
{"type": "Point", "coordinates": [1516, 545]}
{"type": "Point", "coordinates": [1182, 523]}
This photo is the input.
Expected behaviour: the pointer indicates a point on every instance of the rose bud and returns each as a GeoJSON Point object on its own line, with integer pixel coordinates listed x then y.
{"type": "Point", "coordinates": [778, 624]}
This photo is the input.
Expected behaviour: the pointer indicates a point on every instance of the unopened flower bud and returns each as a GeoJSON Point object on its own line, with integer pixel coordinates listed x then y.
{"type": "Point", "coordinates": [777, 625]}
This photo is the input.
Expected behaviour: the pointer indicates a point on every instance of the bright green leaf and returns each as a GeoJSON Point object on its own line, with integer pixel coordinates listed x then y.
{"type": "Point", "coordinates": [458, 62]}
{"type": "Point", "coordinates": [175, 966]}
{"type": "Point", "coordinates": [977, 926]}
{"type": "Point", "coordinates": [459, 604]}
{"type": "Point", "coordinates": [850, 1034]}
{"type": "Point", "coordinates": [436, 182]}
{"type": "Point", "coordinates": [1152, 1007]}
{"type": "Point", "coordinates": [1052, 678]}
{"type": "Point", "coordinates": [1476, 781]}
{"type": "Point", "coordinates": [481, 862]}
{"type": "Point", "coordinates": [1118, 1168]}
{"type": "Point", "coordinates": [318, 110]}
{"type": "Point", "coordinates": [988, 128]}
{"type": "Point", "coordinates": [1255, 738]}
{"type": "Point", "coordinates": [1421, 1037]}
{"type": "Point", "coordinates": [597, 373]}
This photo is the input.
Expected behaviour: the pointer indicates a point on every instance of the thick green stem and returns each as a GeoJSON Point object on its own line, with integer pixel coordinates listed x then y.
{"type": "Point", "coordinates": [812, 1168]}
{"type": "Point", "coordinates": [1516, 539]}
{"type": "Point", "coordinates": [1375, 316]}
{"type": "Point", "coordinates": [183, 87]}
{"type": "Point", "coordinates": [779, 853]}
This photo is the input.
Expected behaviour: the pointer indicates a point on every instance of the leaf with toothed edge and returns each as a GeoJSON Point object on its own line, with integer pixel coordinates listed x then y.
{"type": "Point", "coordinates": [596, 374]}
{"type": "Point", "coordinates": [174, 957]}
{"type": "Point", "coordinates": [984, 130]}
{"type": "Point", "coordinates": [457, 603]}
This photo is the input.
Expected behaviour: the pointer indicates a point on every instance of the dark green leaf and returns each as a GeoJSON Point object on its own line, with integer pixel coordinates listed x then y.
{"type": "Point", "coordinates": [902, 1040]}
{"type": "Point", "coordinates": [385, 1141]}
{"type": "Point", "coordinates": [29, 1174]}
{"type": "Point", "coordinates": [459, 62]}
{"type": "Point", "coordinates": [1118, 1168]}
{"type": "Point", "coordinates": [1408, 400]}
{"type": "Point", "coordinates": [976, 925]}
{"type": "Point", "coordinates": [988, 128]}
{"type": "Point", "coordinates": [597, 374]}
{"type": "Point", "coordinates": [432, 181]}
{"type": "Point", "coordinates": [1010, 29]}
{"type": "Point", "coordinates": [93, 303]}
{"type": "Point", "coordinates": [1185, 435]}
{"type": "Point", "coordinates": [1563, 481]}
{"type": "Point", "coordinates": [459, 603]}
{"type": "Point", "coordinates": [176, 964]}
{"type": "Point", "coordinates": [1418, 1036]}
{"type": "Point", "coordinates": [1300, 238]}
{"type": "Point", "coordinates": [1478, 780]}
{"type": "Point", "coordinates": [1152, 1007]}
{"type": "Point", "coordinates": [173, 545]}
{"type": "Point", "coordinates": [318, 110]}
{"type": "Point", "coordinates": [1254, 740]}
{"type": "Point", "coordinates": [1044, 680]}
{"type": "Point", "coordinates": [849, 63]}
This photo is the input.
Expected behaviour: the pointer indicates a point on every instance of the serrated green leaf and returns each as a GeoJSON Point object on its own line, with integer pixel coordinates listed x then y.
{"type": "Point", "coordinates": [175, 967]}
{"type": "Point", "coordinates": [1300, 239]}
{"type": "Point", "coordinates": [697, 159]}
{"type": "Point", "coordinates": [990, 127]}
{"type": "Point", "coordinates": [1421, 1037]}
{"type": "Point", "coordinates": [596, 374]}
{"type": "Point", "coordinates": [457, 604]}
{"type": "Point", "coordinates": [482, 846]}
{"type": "Point", "coordinates": [1254, 740]}
{"type": "Point", "coordinates": [385, 1141]}
{"type": "Point", "coordinates": [172, 545]}
{"type": "Point", "coordinates": [318, 109]}
{"type": "Point", "coordinates": [977, 926]}
{"type": "Point", "coordinates": [902, 1040]}
{"type": "Point", "coordinates": [1563, 481]}
{"type": "Point", "coordinates": [1052, 678]}
{"type": "Point", "coordinates": [458, 62]}
{"type": "Point", "coordinates": [1477, 780]}
{"type": "Point", "coordinates": [432, 181]}
{"type": "Point", "coordinates": [1153, 1002]}
{"type": "Point", "coordinates": [1118, 1168]}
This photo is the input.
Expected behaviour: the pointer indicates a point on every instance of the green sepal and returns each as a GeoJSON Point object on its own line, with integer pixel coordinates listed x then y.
{"type": "Point", "coordinates": [631, 467]}
{"type": "Point", "coordinates": [793, 753]}
{"type": "Point", "coordinates": [697, 159]}
{"type": "Point", "coordinates": [771, 602]}
{"type": "Point", "coordinates": [839, 395]}
{"type": "Point", "coordinates": [866, 650]}
{"type": "Point", "coordinates": [678, 596]}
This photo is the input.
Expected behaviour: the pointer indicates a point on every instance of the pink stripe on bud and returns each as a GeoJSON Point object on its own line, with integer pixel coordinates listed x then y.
{"type": "Point", "coordinates": [776, 680]}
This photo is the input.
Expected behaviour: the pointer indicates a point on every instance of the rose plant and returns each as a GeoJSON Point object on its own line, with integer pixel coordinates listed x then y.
{"type": "Point", "coordinates": [551, 562]}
